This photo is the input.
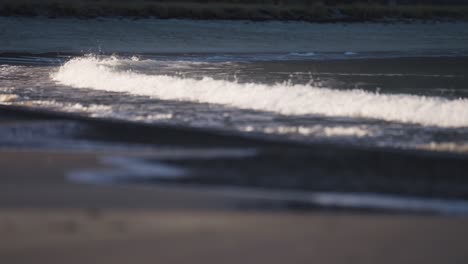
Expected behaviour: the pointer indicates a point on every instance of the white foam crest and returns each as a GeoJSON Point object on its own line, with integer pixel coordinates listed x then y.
{"type": "Point", "coordinates": [7, 98]}
{"type": "Point", "coordinates": [94, 109]}
{"type": "Point", "coordinates": [136, 62]}
{"type": "Point", "coordinates": [302, 54]}
{"type": "Point", "coordinates": [317, 130]}
{"type": "Point", "coordinates": [287, 99]}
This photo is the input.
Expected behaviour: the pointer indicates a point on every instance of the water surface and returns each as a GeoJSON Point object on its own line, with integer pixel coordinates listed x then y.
{"type": "Point", "coordinates": [381, 85]}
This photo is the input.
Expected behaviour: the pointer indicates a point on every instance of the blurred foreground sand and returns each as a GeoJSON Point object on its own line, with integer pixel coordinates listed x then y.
{"type": "Point", "coordinates": [44, 219]}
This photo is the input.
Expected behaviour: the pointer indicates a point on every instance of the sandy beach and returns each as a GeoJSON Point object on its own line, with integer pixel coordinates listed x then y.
{"type": "Point", "coordinates": [200, 236]}
{"type": "Point", "coordinates": [45, 218]}
{"type": "Point", "coordinates": [133, 139]}
{"type": "Point", "coordinates": [51, 221]}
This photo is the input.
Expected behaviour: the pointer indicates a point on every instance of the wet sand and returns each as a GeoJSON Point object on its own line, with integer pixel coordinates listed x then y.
{"type": "Point", "coordinates": [45, 218]}
{"type": "Point", "coordinates": [310, 167]}
{"type": "Point", "coordinates": [206, 236]}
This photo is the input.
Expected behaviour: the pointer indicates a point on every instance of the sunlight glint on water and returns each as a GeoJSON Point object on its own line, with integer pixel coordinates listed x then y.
{"type": "Point", "coordinates": [282, 98]}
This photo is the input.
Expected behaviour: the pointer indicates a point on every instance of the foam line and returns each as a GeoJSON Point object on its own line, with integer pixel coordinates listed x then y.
{"type": "Point", "coordinates": [283, 98]}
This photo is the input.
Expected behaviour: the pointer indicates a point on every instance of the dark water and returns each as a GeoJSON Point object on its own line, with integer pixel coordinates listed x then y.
{"type": "Point", "coordinates": [392, 102]}
{"type": "Point", "coordinates": [397, 86]}
{"type": "Point", "coordinates": [375, 103]}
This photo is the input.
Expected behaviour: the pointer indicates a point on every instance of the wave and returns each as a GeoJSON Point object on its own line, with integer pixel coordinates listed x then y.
{"type": "Point", "coordinates": [302, 54]}
{"type": "Point", "coordinates": [283, 98]}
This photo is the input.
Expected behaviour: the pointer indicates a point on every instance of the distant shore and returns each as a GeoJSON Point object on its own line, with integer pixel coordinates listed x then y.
{"type": "Point", "coordinates": [235, 10]}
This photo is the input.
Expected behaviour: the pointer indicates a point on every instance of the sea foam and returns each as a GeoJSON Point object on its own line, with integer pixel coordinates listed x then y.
{"type": "Point", "coordinates": [283, 98]}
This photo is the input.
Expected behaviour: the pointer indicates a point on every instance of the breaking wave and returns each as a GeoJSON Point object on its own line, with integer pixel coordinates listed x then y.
{"type": "Point", "coordinates": [284, 98]}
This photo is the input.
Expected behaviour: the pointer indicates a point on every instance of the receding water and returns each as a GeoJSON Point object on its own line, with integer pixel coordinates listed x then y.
{"type": "Point", "coordinates": [398, 86]}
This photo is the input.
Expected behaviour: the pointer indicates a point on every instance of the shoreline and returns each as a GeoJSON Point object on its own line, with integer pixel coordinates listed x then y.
{"type": "Point", "coordinates": [249, 170]}
{"type": "Point", "coordinates": [124, 176]}
{"type": "Point", "coordinates": [209, 136]}
{"type": "Point", "coordinates": [44, 217]}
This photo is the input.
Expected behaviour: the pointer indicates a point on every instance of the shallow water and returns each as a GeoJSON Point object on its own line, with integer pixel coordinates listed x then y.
{"type": "Point", "coordinates": [397, 86]}
{"type": "Point", "coordinates": [362, 89]}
